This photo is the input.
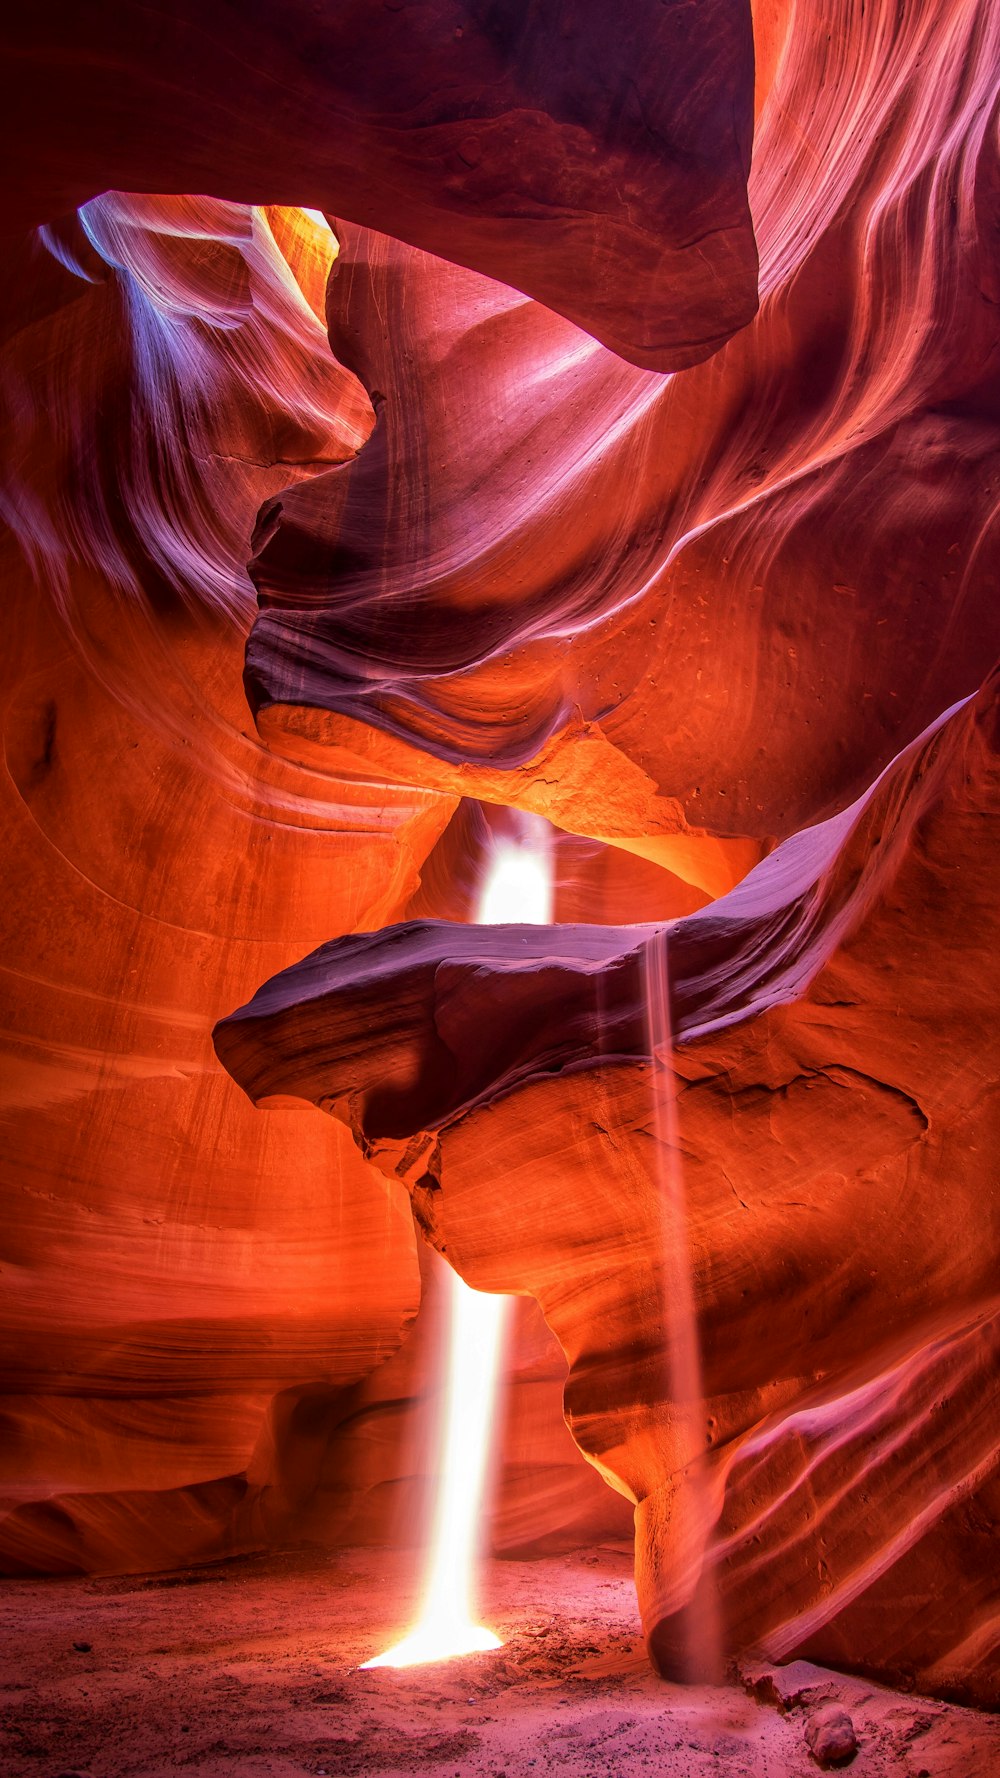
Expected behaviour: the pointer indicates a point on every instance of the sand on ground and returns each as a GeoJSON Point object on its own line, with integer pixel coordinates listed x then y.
{"type": "Point", "coordinates": [250, 1669]}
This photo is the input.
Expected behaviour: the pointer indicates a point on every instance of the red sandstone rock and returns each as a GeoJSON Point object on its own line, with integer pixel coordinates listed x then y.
{"type": "Point", "coordinates": [807, 526]}
{"type": "Point", "coordinates": [173, 1271]}
{"type": "Point", "coordinates": [830, 1737]}
{"type": "Point", "coordinates": [717, 603]}
{"type": "Point", "coordinates": [193, 1298]}
{"type": "Point", "coordinates": [849, 1322]}
{"type": "Point", "coordinates": [597, 160]}
{"type": "Point", "coordinates": [686, 617]}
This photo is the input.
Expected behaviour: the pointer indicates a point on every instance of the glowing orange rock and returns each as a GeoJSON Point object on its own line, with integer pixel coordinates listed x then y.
{"type": "Point", "coordinates": [716, 603]}
{"type": "Point", "coordinates": [842, 1222]}
{"type": "Point", "coordinates": [689, 617]}
{"type": "Point", "coordinates": [175, 1273]}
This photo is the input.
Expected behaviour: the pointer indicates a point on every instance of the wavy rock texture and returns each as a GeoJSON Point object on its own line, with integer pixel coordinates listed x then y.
{"type": "Point", "coordinates": [165, 363]}
{"type": "Point", "coordinates": [837, 1089]}
{"type": "Point", "coordinates": [643, 606]}
{"type": "Point", "coordinates": [172, 1265]}
{"type": "Point", "coordinates": [727, 629]}
{"type": "Point", "coordinates": [683, 617]}
{"type": "Point", "coordinates": [597, 160]}
{"type": "Point", "coordinates": [190, 1363]}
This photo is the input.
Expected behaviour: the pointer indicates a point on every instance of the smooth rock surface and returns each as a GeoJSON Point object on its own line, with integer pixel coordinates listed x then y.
{"type": "Point", "coordinates": [174, 1270]}
{"type": "Point", "coordinates": [732, 630]}
{"type": "Point", "coordinates": [718, 603]}
{"type": "Point", "coordinates": [597, 162]}
{"type": "Point", "coordinates": [848, 1328]}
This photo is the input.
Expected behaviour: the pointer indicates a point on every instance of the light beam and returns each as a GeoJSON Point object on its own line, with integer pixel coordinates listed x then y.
{"type": "Point", "coordinates": [517, 889]}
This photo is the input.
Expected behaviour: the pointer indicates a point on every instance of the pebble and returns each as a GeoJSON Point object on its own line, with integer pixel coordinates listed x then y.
{"type": "Point", "coordinates": [830, 1736]}
{"type": "Point", "coordinates": [82, 1648]}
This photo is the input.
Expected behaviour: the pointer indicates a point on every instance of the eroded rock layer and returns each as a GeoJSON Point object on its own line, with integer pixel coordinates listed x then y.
{"type": "Point", "coordinates": [171, 1266]}
{"type": "Point", "coordinates": [597, 161]}
{"type": "Point", "coordinates": [201, 1311]}
{"type": "Point", "coordinates": [731, 630]}
{"type": "Point", "coordinates": [718, 602]}
{"type": "Point", "coordinates": [837, 1124]}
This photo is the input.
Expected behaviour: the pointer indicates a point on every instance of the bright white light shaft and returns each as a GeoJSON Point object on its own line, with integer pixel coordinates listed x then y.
{"type": "Point", "coordinates": [447, 1626]}
{"type": "Point", "coordinates": [518, 889]}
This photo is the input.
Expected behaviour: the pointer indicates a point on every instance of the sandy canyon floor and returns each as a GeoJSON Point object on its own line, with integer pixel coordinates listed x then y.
{"type": "Point", "coordinates": [249, 1669]}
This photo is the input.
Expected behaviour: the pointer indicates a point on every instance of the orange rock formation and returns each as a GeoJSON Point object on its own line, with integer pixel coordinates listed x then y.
{"type": "Point", "coordinates": [711, 589]}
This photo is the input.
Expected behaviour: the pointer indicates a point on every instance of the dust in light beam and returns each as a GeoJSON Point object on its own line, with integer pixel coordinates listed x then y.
{"type": "Point", "coordinates": [517, 889]}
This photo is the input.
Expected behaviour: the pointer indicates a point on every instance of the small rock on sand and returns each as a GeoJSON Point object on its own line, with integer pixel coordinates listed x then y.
{"type": "Point", "coordinates": [830, 1736]}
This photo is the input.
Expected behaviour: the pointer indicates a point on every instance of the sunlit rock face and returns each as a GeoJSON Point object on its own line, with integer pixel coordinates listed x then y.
{"type": "Point", "coordinates": [837, 1117]}
{"type": "Point", "coordinates": [694, 618]}
{"type": "Point", "coordinates": [203, 1310]}
{"type": "Point", "coordinates": [175, 1268]}
{"type": "Point", "coordinates": [732, 630]}
{"type": "Point", "coordinates": [643, 605]}
{"type": "Point", "coordinates": [596, 159]}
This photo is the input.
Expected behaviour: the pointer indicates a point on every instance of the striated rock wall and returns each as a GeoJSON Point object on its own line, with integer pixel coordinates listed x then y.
{"type": "Point", "coordinates": [596, 160]}
{"type": "Point", "coordinates": [183, 1322]}
{"type": "Point", "coordinates": [837, 1124]}
{"type": "Point", "coordinates": [733, 630]}
{"type": "Point", "coordinates": [171, 1264]}
{"type": "Point", "coordinates": [714, 603]}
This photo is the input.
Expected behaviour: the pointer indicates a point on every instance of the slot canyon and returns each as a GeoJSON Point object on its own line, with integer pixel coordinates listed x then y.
{"type": "Point", "coordinates": [501, 777]}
